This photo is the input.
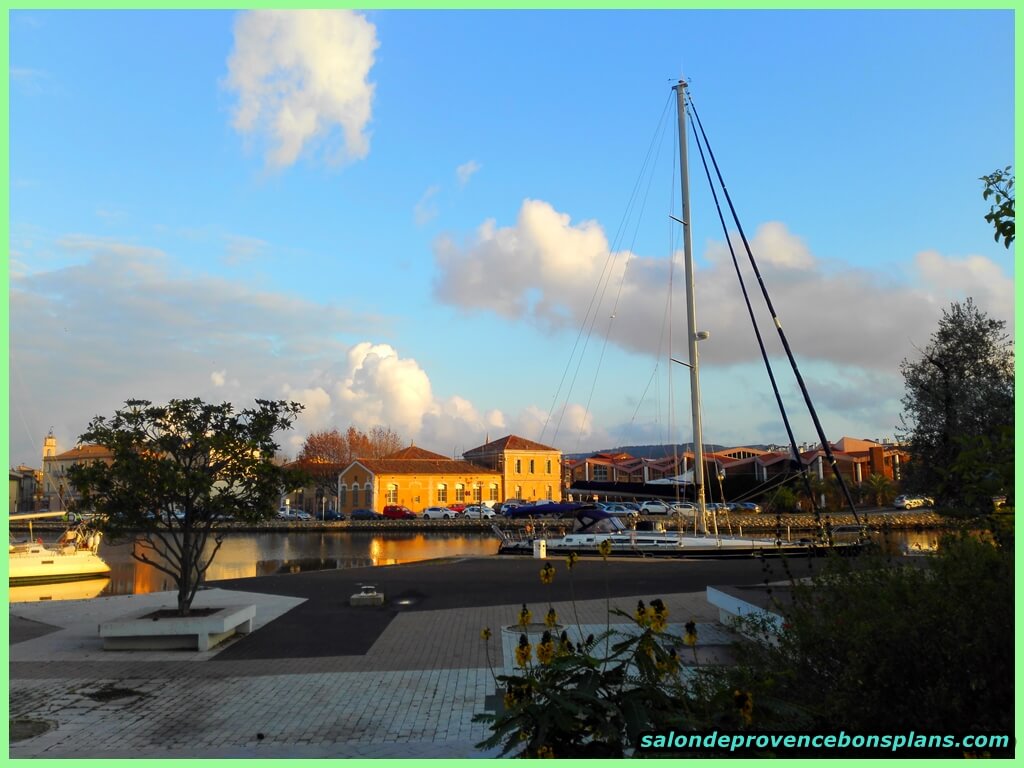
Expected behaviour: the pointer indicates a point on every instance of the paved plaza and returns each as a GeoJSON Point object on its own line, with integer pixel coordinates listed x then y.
{"type": "Point", "coordinates": [413, 691]}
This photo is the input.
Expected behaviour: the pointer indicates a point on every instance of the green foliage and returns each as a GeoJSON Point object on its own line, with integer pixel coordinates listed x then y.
{"type": "Point", "coordinates": [958, 409]}
{"type": "Point", "coordinates": [912, 647]}
{"type": "Point", "coordinates": [880, 489]}
{"type": "Point", "coordinates": [177, 470]}
{"type": "Point", "coordinates": [999, 187]}
{"type": "Point", "coordinates": [596, 698]}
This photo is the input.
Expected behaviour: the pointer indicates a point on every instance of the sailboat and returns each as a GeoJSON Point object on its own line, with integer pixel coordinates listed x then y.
{"type": "Point", "coordinates": [594, 529]}
{"type": "Point", "coordinates": [74, 556]}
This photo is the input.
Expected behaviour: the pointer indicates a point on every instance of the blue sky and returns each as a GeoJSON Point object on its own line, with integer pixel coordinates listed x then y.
{"type": "Point", "coordinates": [403, 217]}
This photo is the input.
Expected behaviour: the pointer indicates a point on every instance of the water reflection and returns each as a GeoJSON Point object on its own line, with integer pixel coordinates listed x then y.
{"type": "Point", "coordinates": [244, 555]}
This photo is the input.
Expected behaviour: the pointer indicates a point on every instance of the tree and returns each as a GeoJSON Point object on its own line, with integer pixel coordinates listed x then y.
{"type": "Point", "coordinates": [999, 184]}
{"type": "Point", "coordinates": [958, 405]}
{"type": "Point", "coordinates": [326, 447]}
{"type": "Point", "coordinates": [177, 470]}
{"type": "Point", "coordinates": [325, 454]}
{"type": "Point", "coordinates": [880, 488]}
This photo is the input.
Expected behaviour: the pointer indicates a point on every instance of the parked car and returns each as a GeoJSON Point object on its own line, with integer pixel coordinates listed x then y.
{"type": "Point", "coordinates": [398, 512]}
{"type": "Point", "coordinates": [684, 507]}
{"type": "Point", "coordinates": [439, 513]}
{"type": "Point", "coordinates": [457, 507]}
{"type": "Point", "coordinates": [366, 514]}
{"type": "Point", "coordinates": [654, 507]}
{"type": "Point", "coordinates": [620, 509]}
{"type": "Point", "coordinates": [330, 514]}
{"type": "Point", "coordinates": [478, 512]}
{"type": "Point", "coordinates": [298, 514]}
{"type": "Point", "coordinates": [908, 502]}
{"type": "Point", "coordinates": [284, 513]}
{"type": "Point", "coordinates": [749, 506]}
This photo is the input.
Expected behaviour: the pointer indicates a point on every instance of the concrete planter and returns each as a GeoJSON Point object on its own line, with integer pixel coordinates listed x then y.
{"type": "Point", "coordinates": [148, 631]}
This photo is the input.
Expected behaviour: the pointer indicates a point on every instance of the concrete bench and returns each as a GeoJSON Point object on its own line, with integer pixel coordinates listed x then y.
{"type": "Point", "coordinates": [200, 633]}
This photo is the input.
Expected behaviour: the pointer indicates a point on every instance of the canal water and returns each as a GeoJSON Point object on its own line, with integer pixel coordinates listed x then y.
{"type": "Point", "coordinates": [244, 555]}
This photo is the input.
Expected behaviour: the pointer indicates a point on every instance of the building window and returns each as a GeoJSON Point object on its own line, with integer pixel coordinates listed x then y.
{"type": "Point", "coordinates": [342, 493]}
{"type": "Point", "coordinates": [392, 494]}
{"type": "Point", "coordinates": [531, 466]}
{"type": "Point", "coordinates": [442, 494]}
{"type": "Point", "coordinates": [548, 467]}
{"type": "Point", "coordinates": [519, 491]}
{"type": "Point", "coordinates": [355, 495]}
{"type": "Point", "coordinates": [368, 493]}
{"type": "Point", "coordinates": [492, 492]}
{"type": "Point", "coordinates": [477, 493]}
{"type": "Point", "coordinates": [460, 492]}
{"type": "Point", "coordinates": [550, 495]}
{"type": "Point", "coordinates": [601, 474]}
{"type": "Point", "coordinates": [519, 466]}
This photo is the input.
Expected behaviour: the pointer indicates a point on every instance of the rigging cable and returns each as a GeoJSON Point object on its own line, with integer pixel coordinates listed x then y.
{"type": "Point", "coordinates": [797, 464]}
{"type": "Point", "coordinates": [778, 325]}
{"type": "Point", "coordinates": [597, 291]}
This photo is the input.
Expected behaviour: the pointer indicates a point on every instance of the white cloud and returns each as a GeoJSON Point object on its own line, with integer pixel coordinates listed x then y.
{"type": "Point", "coordinates": [302, 75]}
{"type": "Point", "coordinates": [560, 275]}
{"type": "Point", "coordinates": [217, 377]}
{"type": "Point", "coordinates": [465, 171]}
{"type": "Point", "coordinates": [426, 207]}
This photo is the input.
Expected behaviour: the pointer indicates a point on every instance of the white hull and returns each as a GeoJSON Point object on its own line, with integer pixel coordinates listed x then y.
{"type": "Point", "coordinates": [643, 544]}
{"type": "Point", "coordinates": [36, 563]}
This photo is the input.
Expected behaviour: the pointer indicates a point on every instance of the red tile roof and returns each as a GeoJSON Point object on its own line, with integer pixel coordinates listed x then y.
{"type": "Point", "coordinates": [414, 452]}
{"type": "Point", "coordinates": [84, 452]}
{"type": "Point", "coordinates": [510, 443]}
{"type": "Point", "coordinates": [442, 466]}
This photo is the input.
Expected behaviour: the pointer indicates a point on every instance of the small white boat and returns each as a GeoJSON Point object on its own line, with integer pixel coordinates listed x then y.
{"type": "Point", "coordinates": [73, 556]}
{"type": "Point", "coordinates": [593, 527]}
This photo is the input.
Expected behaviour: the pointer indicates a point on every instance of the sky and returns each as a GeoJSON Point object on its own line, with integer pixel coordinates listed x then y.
{"type": "Point", "coordinates": [458, 224]}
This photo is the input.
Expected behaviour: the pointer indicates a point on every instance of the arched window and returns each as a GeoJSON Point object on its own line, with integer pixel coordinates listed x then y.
{"type": "Point", "coordinates": [477, 493]}
{"type": "Point", "coordinates": [460, 492]}
{"type": "Point", "coordinates": [355, 495]}
{"type": "Point", "coordinates": [342, 495]}
{"type": "Point", "coordinates": [442, 493]}
{"type": "Point", "coordinates": [550, 495]}
{"type": "Point", "coordinates": [392, 494]}
{"type": "Point", "coordinates": [492, 492]}
{"type": "Point", "coordinates": [368, 493]}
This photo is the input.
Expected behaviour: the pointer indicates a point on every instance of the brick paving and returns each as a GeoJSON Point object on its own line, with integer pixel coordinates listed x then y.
{"type": "Point", "coordinates": [412, 694]}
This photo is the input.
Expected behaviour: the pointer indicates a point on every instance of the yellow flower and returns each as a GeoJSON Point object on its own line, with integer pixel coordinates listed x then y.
{"type": "Point", "coordinates": [564, 645]}
{"type": "Point", "coordinates": [744, 701]}
{"type": "Point", "coordinates": [641, 613]}
{"type": "Point", "coordinates": [510, 700]}
{"type": "Point", "coordinates": [605, 548]}
{"type": "Point", "coordinates": [524, 616]}
{"type": "Point", "coordinates": [485, 633]}
{"type": "Point", "coordinates": [571, 560]}
{"type": "Point", "coordinates": [523, 652]}
{"type": "Point", "coordinates": [547, 573]}
{"type": "Point", "coordinates": [545, 751]}
{"type": "Point", "coordinates": [551, 619]}
{"type": "Point", "coordinates": [657, 615]}
{"type": "Point", "coordinates": [690, 638]}
{"type": "Point", "coordinates": [670, 666]}
{"type": "Point", "coordinates": [546, 648]}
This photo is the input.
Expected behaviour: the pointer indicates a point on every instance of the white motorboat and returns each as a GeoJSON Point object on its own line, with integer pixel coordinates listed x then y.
{"type": "Point", "coordinates": [73, 556]}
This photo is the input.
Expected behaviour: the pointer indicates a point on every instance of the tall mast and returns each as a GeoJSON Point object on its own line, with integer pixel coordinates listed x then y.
{"type": "Point", "coordinates": [691, 311]}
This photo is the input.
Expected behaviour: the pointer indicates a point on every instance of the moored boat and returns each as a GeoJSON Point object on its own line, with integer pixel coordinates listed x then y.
{"type": "Point", "coordinates": [73, 556]}
{"type": "Point", "coordinates": [594, 529]}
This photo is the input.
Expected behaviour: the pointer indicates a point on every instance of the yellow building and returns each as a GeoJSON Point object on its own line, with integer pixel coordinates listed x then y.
{"type": "Point", "coordinates": [416, 478]}
{"type": "Point", "coordinates": [529, 470]}
{"type": "Point", "coordinates": [58, 492]}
